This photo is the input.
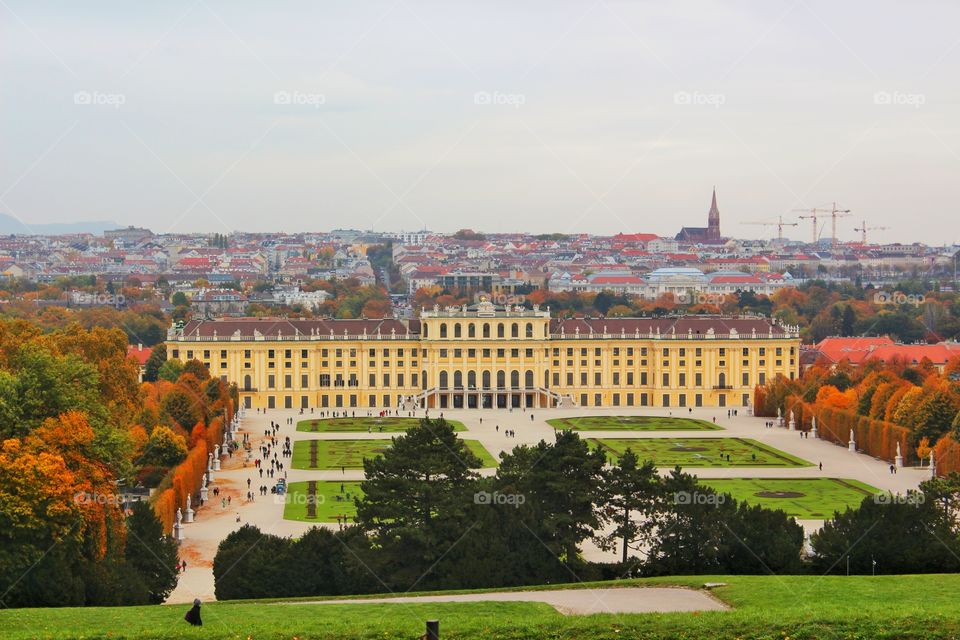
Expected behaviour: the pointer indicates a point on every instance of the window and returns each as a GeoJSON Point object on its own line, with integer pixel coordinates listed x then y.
{"type": "Point", "coordinates": [666, 379]}
{"type": "Point", "coordinates": [746, 379]}
{"type": "Point", "coordinates": [373, 379]}
{"type": "Point", "coordinates": [500, 330]}
{"type": "Point", "coordinates": [443, 329]}
{"type": "Point", "coordinates": [698, 379]}
{"type": "Point", "coordinates": [457, 330]}
{"type": "Point", "coordinates": [304, 381]}
{"type": "Point", "coordinates": [596, 379]}
{"type": "Point", "coordinates": [514, 330]}
{"type": "Point", "coordinates": [471, 330]}
{"type": "Point", "coordinates": [683, 380]}
{"type": "Point", "coordinates": [324, 379]}
{"type": "Point", "coordinates": [529, 329]}
{"type": "Point", "coordinates": [288, 381]}
{"type": "Point", "coordinates": [271, 381]}
{"type": "Point", "coordinates": [486, 329]}
{"type": "Point", "coordinates": [386, 379]}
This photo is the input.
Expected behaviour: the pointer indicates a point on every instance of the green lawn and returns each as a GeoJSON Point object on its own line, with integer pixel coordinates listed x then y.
{"type": "Point", "coordinates": [366, 425]}
{"type": "Point", "coordinates": [631, 423]}
{"type": "Point", "coordinates": [780, 607]}
{"type": "Point", "coordinates": [328, 505]}
{"type": "Point", "coordinates": [349, 454]}
{"type": "Point", "coordinates": [700, 452]}
{"type": "Point", "coordinates": [818, 498]}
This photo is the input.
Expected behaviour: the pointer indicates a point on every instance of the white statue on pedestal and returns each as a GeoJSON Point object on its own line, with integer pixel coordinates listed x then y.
{"type": "Point", "coordinates": [178, 527]}
{"type": "Point", "coordinates": [216, 457]}
{"type": "Point", "coordinates": [898, 460]}
{"type": "Point", "coordinates": [189, 515]}
{"type": "Point", "coordinates": [793, 423]}
{"type": "Point", "coordinates": [852, 446]}
{"type": "Point", "coordinates": [813, 431]}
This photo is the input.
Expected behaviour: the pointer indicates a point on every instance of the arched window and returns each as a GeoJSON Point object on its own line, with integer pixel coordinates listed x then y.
{"type": "Point", "coordinates": [443, 329]}
{"type": "Point", "coordinates": [458, 379]}
{"type": "Point", "coordinates": [456, 330]}
{"type": "Point", "coordinates": [528, 379]}
{"type": "Point", "coordinates": [514, 330]}
{"type": "Point", "coordinates": [501, 379]}
{"type": "Point", "coordinates": [425, 325]}
{"type": "Point", "coordinates": [471, 330]}
{"type": "Point", "coordinates": [514, 379]}
{"type": "Point", "coordinates": [486, 329]}
{"type": "Point", "coordinates": [443, 379]}
{"type": "Point", "coordinates": [486, 379]}
{"type": "Point", "coordinates": [723, 379]}
{"type": "Point", "coordinates": [500, 330]}
{"type": "Point", "coordinates": [472, 379]}
{"type": "Point", "coordinates": [246, 383]}
{"type": "Point", "coordinates": [529, 329]}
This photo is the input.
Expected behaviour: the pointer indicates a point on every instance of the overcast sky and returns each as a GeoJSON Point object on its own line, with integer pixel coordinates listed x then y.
{"type": "Point", "coordinates": [586, 116]}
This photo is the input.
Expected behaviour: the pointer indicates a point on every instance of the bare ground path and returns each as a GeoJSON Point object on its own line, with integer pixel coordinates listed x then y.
{"type": "Point", "coordinates": [575, 601]}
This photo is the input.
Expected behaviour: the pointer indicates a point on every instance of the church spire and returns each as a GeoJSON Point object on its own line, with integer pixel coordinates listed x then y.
{"type": "Point", "coordinates": [713, 219]}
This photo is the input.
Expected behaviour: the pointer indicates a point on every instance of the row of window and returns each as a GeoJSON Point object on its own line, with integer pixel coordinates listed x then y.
{"type": "Point", "coordinates": [485, 330]}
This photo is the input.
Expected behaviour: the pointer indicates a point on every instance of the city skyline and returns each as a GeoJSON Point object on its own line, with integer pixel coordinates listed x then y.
{"type": "Point", "coordinates": [599, 118]}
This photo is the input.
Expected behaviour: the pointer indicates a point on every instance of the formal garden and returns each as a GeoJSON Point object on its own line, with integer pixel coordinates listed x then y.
{"type": "Point", "coordinates": [631, 423]}
{"type": "Point", "coordinates": [804, 498]}
{"type": "Point", "coordinates": [699, 452]}
{"type": "Point", "coordinates": [386, 424]}
{"type": "Point", "coordinates": [330, 455]}
{"type": "Point", "coordinates": [322, 501]}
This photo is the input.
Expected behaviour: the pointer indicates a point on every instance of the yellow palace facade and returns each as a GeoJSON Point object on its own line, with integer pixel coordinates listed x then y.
{"type": "Point", "coordinates": [491, 357]}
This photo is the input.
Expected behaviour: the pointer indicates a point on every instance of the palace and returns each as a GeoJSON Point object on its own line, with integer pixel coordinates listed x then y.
{"type": "Point", "coordinates": [491, 356]}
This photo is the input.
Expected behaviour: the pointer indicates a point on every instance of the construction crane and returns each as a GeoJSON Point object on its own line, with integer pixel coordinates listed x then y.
{"type": "Point", "coordinates": [779, 224]}
{"type": "Point", "coordinates": [863, 228]}
{"type": "Point", "coordinates": [833, 212]}
{"type": "Point", "coordinates": [812, 216]}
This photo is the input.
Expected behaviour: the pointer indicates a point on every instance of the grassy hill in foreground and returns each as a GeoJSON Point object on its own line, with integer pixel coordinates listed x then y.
{"type": "Point", "coordinates": [764, 607]}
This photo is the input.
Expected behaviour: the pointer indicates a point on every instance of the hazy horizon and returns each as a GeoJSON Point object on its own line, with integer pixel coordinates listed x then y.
{"type": "Point", "coordinates": [597, 117]}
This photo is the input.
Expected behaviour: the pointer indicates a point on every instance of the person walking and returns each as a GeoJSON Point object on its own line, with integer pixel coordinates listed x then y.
{"type": "Point", "coordinates": [193, 615]}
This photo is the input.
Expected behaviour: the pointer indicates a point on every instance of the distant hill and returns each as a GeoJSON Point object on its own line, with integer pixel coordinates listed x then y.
{"type": "Point", "coordinates": [9, 224]}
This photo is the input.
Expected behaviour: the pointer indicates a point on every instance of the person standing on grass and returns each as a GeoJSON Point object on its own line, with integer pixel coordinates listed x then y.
{"type": "Point", "coordinates": [193, 616]}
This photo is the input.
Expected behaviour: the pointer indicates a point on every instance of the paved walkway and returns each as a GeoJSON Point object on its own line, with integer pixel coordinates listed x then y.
{"type": "Point", "coordinates": [213, 523]}
{"type": "Point", "coordinates": [576, 601]}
